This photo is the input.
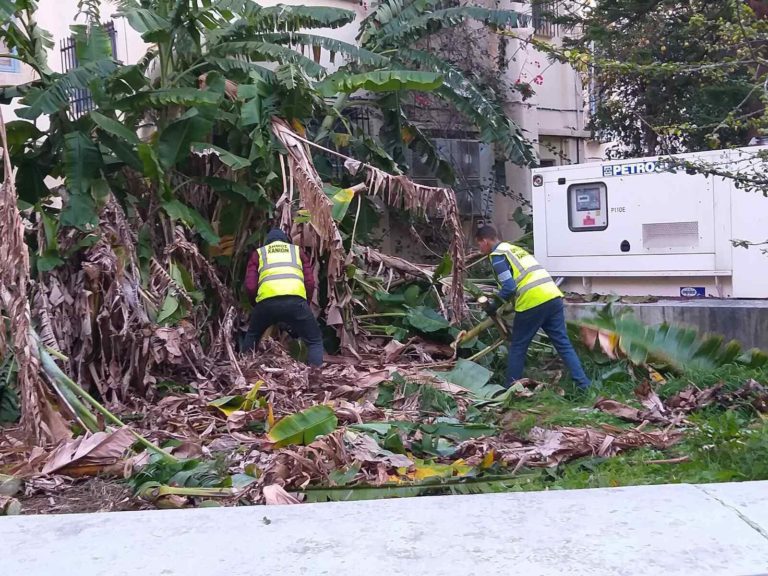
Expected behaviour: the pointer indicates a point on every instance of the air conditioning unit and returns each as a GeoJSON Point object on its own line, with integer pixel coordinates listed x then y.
{"type": "Point", "coordinates": [472, 163]}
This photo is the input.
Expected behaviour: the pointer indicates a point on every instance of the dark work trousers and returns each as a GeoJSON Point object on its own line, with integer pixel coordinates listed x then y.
{"type": "Point", "coordinates": [549, 316]}
{"type": "Point", "coordinates": [293, 311]}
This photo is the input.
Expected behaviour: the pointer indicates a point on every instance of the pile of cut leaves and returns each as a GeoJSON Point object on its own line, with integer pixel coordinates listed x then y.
{"type": "Point", "coordinates": [384, 425]}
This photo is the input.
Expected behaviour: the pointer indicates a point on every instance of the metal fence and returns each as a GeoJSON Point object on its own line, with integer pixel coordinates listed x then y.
{"type": "Point", "coordinates": [542, 13]}
{"type": "Point", "coordinates": [80, 99]}
{"type": "Point", "coordinates": [359, 118]}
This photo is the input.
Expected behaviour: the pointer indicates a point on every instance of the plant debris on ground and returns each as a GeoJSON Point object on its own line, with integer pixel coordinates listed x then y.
{"type": "Point", "coordinates": [121, 385]}
{"type": "Point", "coordinates": [369, 428]}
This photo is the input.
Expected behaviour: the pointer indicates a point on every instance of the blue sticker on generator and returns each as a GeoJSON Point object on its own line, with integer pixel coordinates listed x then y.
{"type": "Point", "coordinates": [693, 291]}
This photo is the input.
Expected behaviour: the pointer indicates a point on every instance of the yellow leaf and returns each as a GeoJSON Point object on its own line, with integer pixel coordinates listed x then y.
{"type": "Point", "coordinates": [298, 127]}
{"type": "Point", "coordinates": [461, 468]}
{"type": "Point", "coordinates": [225, 247]}
{"type": "Point", "coordinates": [270, 416]}
{"type": "Point", "coordinates": [406, 135]}
{"type": "Point", "coordinates": [609, 342]}
{"type": "Point", "coordinates": [656, 377]}
{"type": "Point", "coordinates": [341, 140]}
{"type": "Point", "coordinates": [431, 470]}
{"type": "Point", "coordinates": [228, 404]}
{"type": "Point", "coordinates": [344, 195]}
{"type": "Point", "coordinates": [488, 459]}
{"type": "Point", "coordinates": [251, 399]}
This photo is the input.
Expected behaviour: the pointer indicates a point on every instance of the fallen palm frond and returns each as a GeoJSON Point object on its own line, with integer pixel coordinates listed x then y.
{"type": "Point", "coordinates": [674, 410]}
{"type": "Point", "coordinates": [89, 455]}
{"type": "Point", "coordinates": [552, 447]}
{"type": "Point", "coordinates": [428, 487]}
{"type": "Point", "coordinates": [401, 192]}
{"type": "Point", "coordinates": [396, 191]}
{"type": "Point", "coordinates": [676, 347]}
{"type": "Point", "coordinates": [81, 403]}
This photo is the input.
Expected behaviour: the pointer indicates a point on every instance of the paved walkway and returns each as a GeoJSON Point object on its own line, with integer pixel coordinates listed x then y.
{"type": "Point", "coordinates": [709, 530]}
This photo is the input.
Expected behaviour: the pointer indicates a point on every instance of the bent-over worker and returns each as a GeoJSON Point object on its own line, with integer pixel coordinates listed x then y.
{"type": "Point", "coordinates": [538, 304]}
{"type": "Point", "coordinates": [281, 281]}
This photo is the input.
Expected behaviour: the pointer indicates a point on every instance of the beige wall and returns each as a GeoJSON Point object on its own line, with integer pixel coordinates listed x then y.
{"type": "Point", "coordinates": [553, 119]}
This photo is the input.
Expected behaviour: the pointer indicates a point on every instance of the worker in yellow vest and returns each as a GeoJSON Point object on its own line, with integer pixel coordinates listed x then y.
{"type": "Point", "coordinates": [538, 304]}
{"type": "Point", "coordinates": [280, 281]}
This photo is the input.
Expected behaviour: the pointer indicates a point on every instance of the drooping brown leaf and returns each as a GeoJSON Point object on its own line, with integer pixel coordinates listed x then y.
{"type": "Point", "coordinates": [41, 423]}
{"type": "Point", "coordinates": [619, 410]}
{"type": "Point", "coordinates": [401, 192]}
{"type": "Point", "coordinates": [89, 454]}
{"type": "Point", "coordinates": [276, 494]}
{"type": "Point", "coordinates": [312, 198]}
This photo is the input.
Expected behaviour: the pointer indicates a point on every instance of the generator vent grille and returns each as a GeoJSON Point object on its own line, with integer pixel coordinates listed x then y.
{"type": "Point", "coordinates": [665, 235]}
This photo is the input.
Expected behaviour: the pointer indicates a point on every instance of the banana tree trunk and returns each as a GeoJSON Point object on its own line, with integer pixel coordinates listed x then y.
{"type": "Point", "coordinates": [486, 324]}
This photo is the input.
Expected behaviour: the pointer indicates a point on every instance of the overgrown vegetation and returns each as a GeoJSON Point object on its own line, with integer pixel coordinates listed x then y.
{"type": "Point", "coordinates": [191, 153]}
{"type": "Point", "coordinates": [223, 129]}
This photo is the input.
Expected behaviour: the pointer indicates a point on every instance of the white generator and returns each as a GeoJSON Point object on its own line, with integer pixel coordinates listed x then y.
{"type": "Point", "coordinates": [639, 227]}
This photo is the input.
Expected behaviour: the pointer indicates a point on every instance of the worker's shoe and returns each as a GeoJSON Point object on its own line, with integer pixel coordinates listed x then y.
{"type": "Point", "coordinates": [315, 376]}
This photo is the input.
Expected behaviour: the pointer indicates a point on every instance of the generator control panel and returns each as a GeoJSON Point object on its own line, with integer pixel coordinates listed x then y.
{"type": "Point", "coordinates": [587, 207]}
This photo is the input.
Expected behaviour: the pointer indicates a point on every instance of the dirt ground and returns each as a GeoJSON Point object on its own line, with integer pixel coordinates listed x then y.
{"type": "Point", "coordinates": [79, 496]}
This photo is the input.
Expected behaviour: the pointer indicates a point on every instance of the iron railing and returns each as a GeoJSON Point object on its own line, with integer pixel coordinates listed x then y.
{"type": "Point", "coordinates": [80, 99]}
{"type": "Point", "coordinates": [542, 13]}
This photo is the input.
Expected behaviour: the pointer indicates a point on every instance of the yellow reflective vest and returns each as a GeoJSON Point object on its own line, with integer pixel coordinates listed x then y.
{"type": "Point", "coordinates": [534, 284]}
{"type": "Point", "coordinates": [280, 271]}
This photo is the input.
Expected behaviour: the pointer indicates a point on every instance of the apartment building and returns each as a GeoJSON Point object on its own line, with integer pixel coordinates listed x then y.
{"type": "Point", "coordinates": [554, 118]}
{"type": "Point", "coordinates": [552, 113]}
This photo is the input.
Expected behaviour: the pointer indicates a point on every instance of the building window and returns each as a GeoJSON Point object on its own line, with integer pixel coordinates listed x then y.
{"type": "Point", "coordinates": [80, 98]}
{"type": "Point", "coordinates": [8, 64]}
{"type": "Point", "coordinates": [543, 11]}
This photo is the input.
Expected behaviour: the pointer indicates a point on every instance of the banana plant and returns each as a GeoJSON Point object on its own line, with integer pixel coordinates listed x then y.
{"type": "Point", "coordinates": [678, 348]}
{"type": "Point", "coordinates": [392, 37]}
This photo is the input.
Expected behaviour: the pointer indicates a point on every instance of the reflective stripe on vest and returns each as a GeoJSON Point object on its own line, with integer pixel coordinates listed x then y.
{"type": "Point", "coordinates": [534, 284]}
{"type": "Point", "coordinates": [280, 271]}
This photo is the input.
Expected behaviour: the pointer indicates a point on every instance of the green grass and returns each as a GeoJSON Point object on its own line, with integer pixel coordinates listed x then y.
{"type": "Point", "coordinates": [721, 445]}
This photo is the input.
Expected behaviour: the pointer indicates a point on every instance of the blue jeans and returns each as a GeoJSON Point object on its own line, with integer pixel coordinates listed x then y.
{"type": "Point", "coordinates": [549, 316]}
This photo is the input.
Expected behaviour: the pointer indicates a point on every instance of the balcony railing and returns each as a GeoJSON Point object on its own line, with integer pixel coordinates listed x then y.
{"type": "Point", "coordinates": [542, 13]}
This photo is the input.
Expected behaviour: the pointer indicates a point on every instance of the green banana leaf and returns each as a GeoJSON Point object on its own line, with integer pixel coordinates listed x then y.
{"type": "Point", "coordinates": [303, 427]}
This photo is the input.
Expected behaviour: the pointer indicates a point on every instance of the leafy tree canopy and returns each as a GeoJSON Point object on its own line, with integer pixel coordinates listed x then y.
{"type": "Point", "coordinates": [671, 75]}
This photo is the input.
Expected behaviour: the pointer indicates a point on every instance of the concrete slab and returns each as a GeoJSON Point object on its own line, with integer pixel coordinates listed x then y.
{"type": "Point", "coordinates": [749, 499]}
{"type": "Point", "coordinates": [670, 530]}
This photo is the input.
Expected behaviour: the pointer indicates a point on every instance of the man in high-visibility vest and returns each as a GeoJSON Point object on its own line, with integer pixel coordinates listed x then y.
{"type": "Point", "coordinates": [280, 281]}
{"type": "Point", "coordinates": [538, 304]}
